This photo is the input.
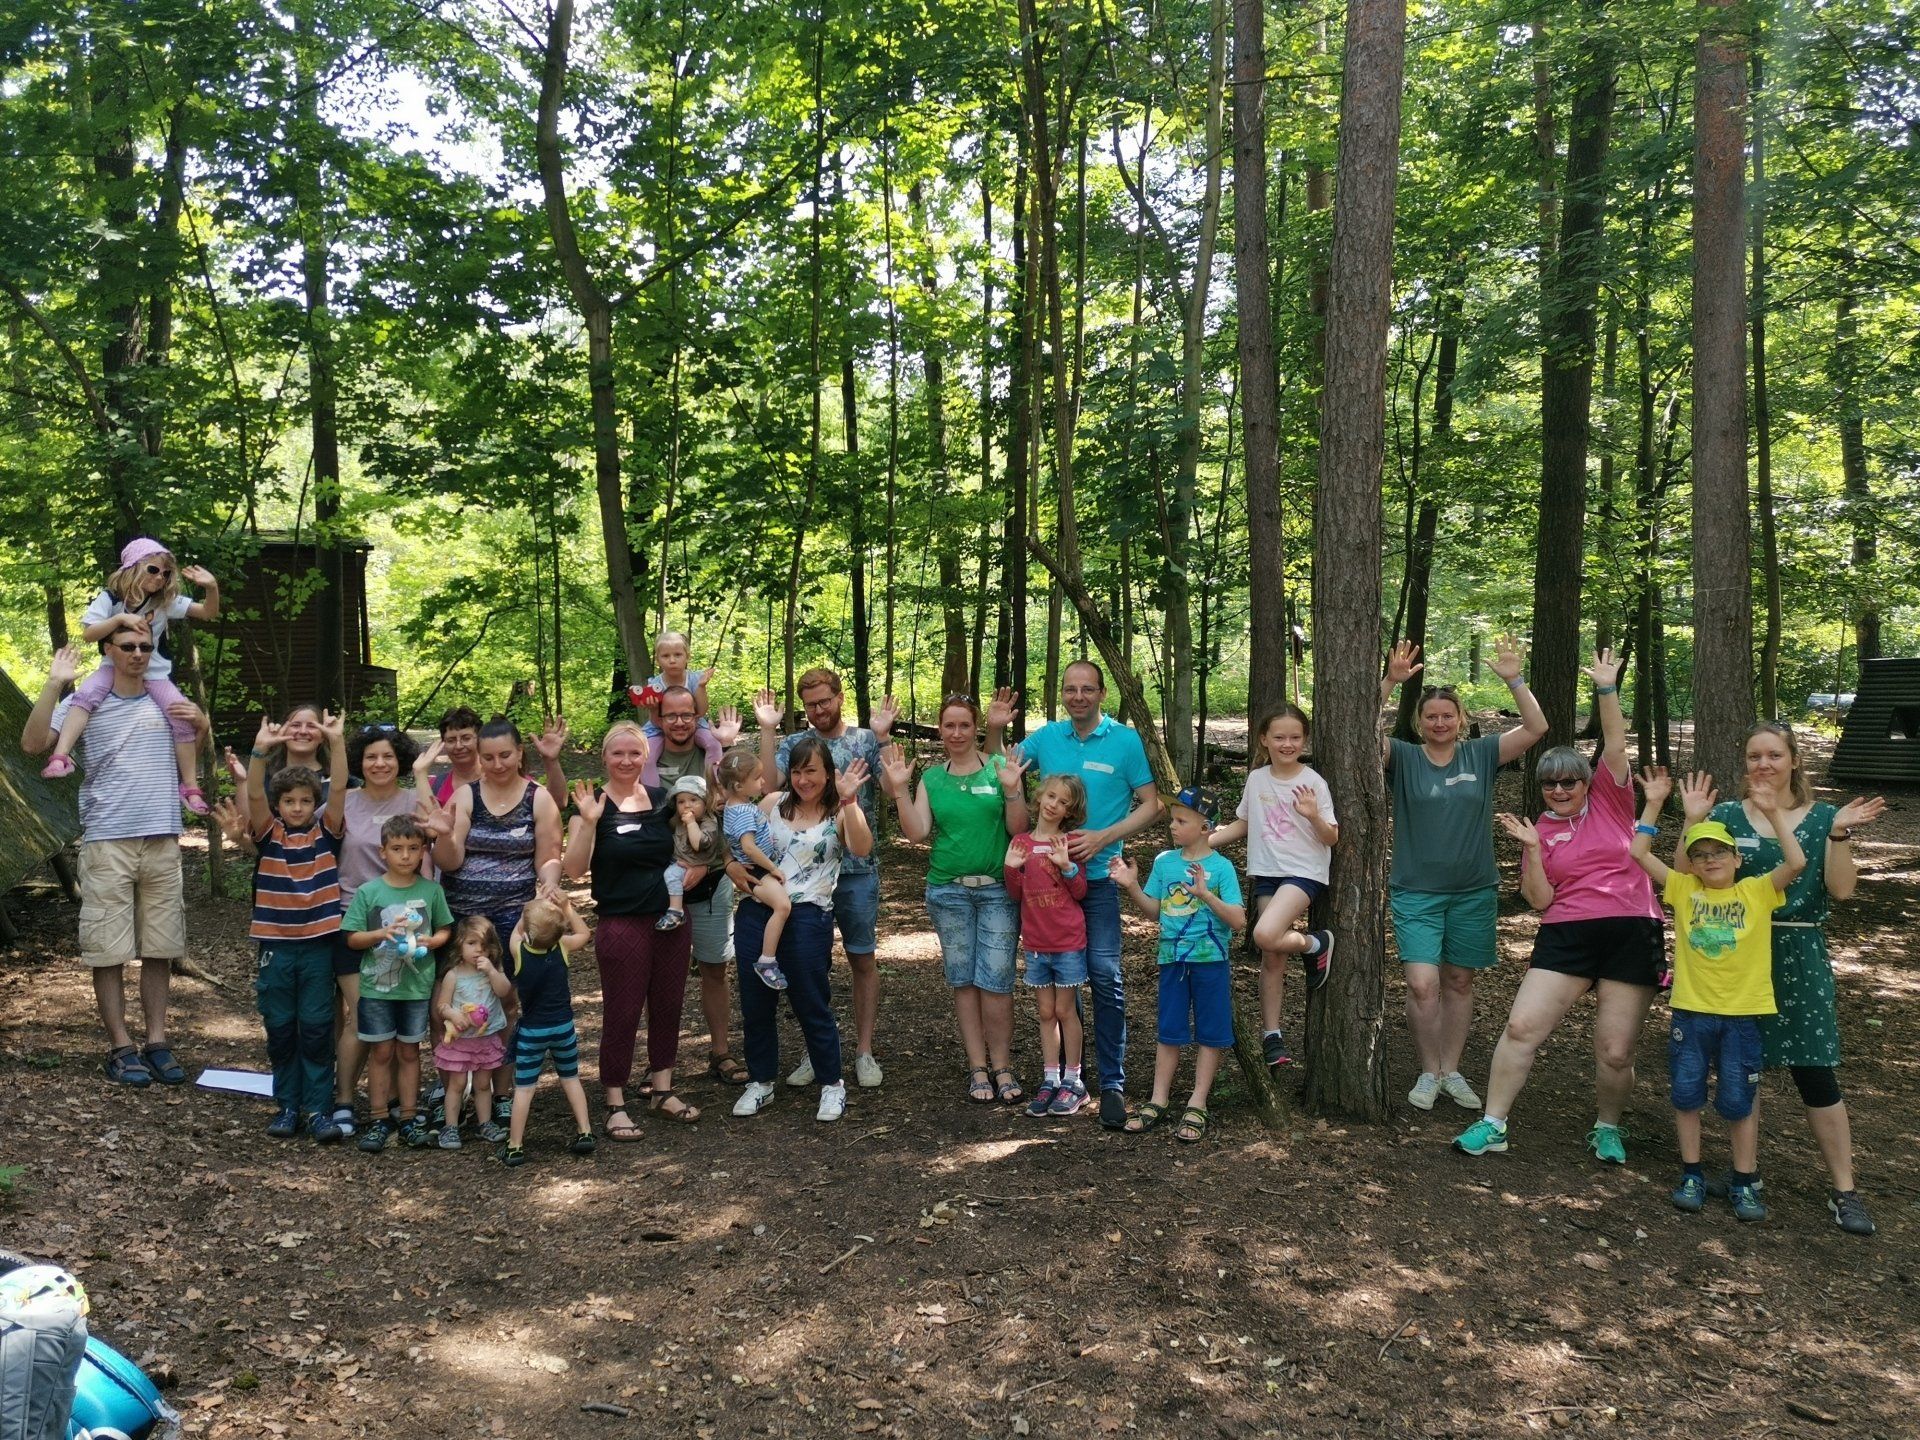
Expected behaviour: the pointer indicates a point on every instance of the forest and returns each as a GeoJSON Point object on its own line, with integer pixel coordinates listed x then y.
{"type": "Point", "coordinates": [940, 342]}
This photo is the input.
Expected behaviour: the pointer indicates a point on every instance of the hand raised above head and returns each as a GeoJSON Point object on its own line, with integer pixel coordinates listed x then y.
{"type": "Point", "coordinates": [884, 717]}
{"type": "Point", "coordinates": [726, 727]}
{"type": "Point", "coordinates": [1403, 662]}
{"type": "Point", "coordinates": [1013, 773]}
{"type": "Point", "coordinates": [552, 738]}
{"type": "Point", "coordinates": [1863, 810]}
{"type": "Point", "coordinates": [1657, 784]}
{"type": "Point", "coordinates": [1605, 669]}
{"type": "Point", "coordinates": [766, 709]}
{"type": "Point", "coordinates": [1003, 707]}
{"type": "Point", "coordinates": [65, 666]}
{"type": "Point", "coordinates": [849, 780]}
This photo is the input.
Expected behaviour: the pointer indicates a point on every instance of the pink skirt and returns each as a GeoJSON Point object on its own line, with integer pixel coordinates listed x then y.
{"type": "Point", "coordinates": [466, 1053]}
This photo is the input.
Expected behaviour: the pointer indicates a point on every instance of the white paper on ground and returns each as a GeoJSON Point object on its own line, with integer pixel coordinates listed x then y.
{"type": "Point", "coordinates": [237, 1082]}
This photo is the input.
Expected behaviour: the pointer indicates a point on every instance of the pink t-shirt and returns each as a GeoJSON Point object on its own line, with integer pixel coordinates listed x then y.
{"type": "Point", "coordinates": [1586, 860]}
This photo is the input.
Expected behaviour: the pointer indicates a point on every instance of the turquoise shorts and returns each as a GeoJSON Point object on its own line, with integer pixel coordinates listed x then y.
{"type": "Point", "coordinates": [1455, 929]}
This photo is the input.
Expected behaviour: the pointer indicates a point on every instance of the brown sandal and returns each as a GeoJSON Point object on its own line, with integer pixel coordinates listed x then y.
{"type": "Point", "coordinates": [670, 1106]}
{"type": "Point", "coordinates": [624, 1133]}
{"type": "Point", "coordinates": [726, 1069]}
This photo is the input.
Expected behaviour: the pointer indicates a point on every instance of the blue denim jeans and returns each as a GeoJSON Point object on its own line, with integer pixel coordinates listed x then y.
{"type": "Point", "coordinates": [979, 930]}
{"type": "Point", "coordinates": [1102, 907]}
{"type": "Point", "coordinates": [806, 959]}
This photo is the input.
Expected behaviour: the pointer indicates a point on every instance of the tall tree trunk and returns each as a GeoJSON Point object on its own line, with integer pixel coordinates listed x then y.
{"type": "Point", "coordinates": [1426, 525]}
{"type": "Point", "coordinates": [946, 534]}
{"type": "Point", "coordinates": [1259, 385]}
{"type": "Point", "coordinates": [598, 315]}
{"type": "Point", "coordinates": [1763, 412]}
{"type": "Point", "coordinates": [816, 278]}
{"type": "Point", "coordinates": [1722, 526]}
{"type": "Point", "coordinates": [1853, 468]}
{"type": "Point", "coordinates": [1021, 381]}
{"type": "Point", "coordinates": [1568, 300]}
{"type": "Point", "coordinates": [1346, 1062]}
{"type": "Point", "coordinates": [856, 488]}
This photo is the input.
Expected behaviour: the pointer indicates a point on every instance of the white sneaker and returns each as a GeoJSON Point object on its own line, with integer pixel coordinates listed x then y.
{"type": "Point", "coordinates": [866, 1070]}
{"type": "Point", "coordinates": [1425, 1091]}
{"type": "Point", "coordinates": [1456, 1089]}
{"type": "Point", "coordinates": [802, 1074]}
{"type": "Point", "coordinates": [833, 1102]}
{"type": "Point", "coordinates": [755, 1098]}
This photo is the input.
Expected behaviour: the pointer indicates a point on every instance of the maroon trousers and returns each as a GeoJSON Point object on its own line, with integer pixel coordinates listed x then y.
{"type": "Point", "coordinates": [641, 968]}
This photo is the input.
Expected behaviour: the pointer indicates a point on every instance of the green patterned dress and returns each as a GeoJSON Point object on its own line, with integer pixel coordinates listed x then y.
{"type": "Point", "coordinates": [1807, 1029]}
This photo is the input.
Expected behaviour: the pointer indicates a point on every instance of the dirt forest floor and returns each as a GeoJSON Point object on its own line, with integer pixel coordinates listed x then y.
{"type": "Point", "coordinates": [935, 1268]}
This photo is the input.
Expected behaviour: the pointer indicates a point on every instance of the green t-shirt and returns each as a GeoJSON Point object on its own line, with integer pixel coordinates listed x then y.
{"type": "Point", "coordinates": [384, 973]}
{"type": "Point", "coordinates": [969, 822]}
{"type": "Point", "coordinates": [1443, 818]}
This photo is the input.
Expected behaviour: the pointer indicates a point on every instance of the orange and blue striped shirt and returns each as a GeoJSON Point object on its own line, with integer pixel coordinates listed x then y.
{"type": "Point", "coordinates": [296, 883]}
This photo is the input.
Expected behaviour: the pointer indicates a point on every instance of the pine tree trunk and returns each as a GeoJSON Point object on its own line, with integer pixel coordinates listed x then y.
{"type": "Point", "coordinates": [1346, 1061]}
{"type": "Point", "coordinates": [1763, 414]}
{"type": "Point", "coordinates": [1865, 547]}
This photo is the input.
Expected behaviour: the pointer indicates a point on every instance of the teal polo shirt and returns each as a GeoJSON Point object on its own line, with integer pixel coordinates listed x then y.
{"type": "Point", "coordinates": [1111, 762]}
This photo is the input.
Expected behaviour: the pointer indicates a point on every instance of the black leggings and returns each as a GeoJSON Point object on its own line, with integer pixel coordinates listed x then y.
{"type": "Point", "coordinates": [1816, 1084]}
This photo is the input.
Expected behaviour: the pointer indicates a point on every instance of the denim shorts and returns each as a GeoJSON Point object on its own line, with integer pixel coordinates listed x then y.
{"type": "Point", "coordinates": [1729, 1044]}
{"type": "Point", "coordinates": [979, 930]}
{"type": "Point", "coordinates": [1196, 1003]}
{"type": "Point", "coordinates": [1062, 967]}
{"type": "Point", "coordinates": [1431, 928]}
{"type": "Point", "coordinates": [856, 910]}
{"type": "Point", "coordinates": [402, 1020]}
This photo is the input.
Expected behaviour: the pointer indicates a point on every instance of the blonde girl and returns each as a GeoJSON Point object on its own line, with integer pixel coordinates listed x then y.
{"type": "Point", "coordinates": [470, 1005]}
{"type": "Point", "coordinates": [131, 613]}
{"type": "Point", "coordinates": [1286, 817]}
{"type": "Point", "coordinates": [1042, 877]}
{"type": "Point", "coordinates": [751, 844]}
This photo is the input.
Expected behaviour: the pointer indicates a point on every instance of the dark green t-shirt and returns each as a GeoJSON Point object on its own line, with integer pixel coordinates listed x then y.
{"type": "Point", "coordinates": [1443, 818]}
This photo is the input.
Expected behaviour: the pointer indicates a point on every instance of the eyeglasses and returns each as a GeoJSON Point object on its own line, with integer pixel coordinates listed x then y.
{"type": "Point", "coordinates": [160, 570]}
{"type": "Point", "coordinates": [1573, 784]}
{"type": "Point", "coordinates": [134, 647]}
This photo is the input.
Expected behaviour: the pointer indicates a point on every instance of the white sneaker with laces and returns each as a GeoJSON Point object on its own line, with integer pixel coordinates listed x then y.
{"type": "Point", "coordinates": [833, 1102]}
{"type": "Point", "coordinates": [755, 1098]}
{"type": "Point", "coordinates": [1425, 1091]}
{"type": "Point", "coordinates": [802, 1074]}
{"type": "Point", "coordinates": [1456, 1089]}
{"type": "Point", "coordinates": [866, 1070]}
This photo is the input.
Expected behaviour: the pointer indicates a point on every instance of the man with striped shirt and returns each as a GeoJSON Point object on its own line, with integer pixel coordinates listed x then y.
{"type": "Point", "coordinates": [132, 906]}
{"type": "Point", "coordinates": [296, 917]}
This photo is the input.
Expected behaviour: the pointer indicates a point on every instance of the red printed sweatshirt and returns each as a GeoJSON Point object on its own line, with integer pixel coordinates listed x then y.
{"type": "Point", "coordinates": [1051, 920]}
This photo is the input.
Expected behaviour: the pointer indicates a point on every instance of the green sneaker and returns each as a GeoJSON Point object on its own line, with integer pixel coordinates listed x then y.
{"type": "Point", "coordinates": [1607, 1142]}
{"type": "Point", "coordinates": [1481, 1138]}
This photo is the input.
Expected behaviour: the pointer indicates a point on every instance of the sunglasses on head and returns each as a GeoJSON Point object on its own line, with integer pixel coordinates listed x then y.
{"type": "Point", "coordinates": [166, 570]}
{"type": "Point", "coordinates": [379, 727]}
{"type": "Point", "coordinates": [134, 647]}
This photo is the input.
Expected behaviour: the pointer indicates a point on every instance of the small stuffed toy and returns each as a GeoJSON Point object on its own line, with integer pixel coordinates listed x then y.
{"type": "Point", "coordinates": [645, 697]}
{"type": "Point", "coordinates": [475, 1018]}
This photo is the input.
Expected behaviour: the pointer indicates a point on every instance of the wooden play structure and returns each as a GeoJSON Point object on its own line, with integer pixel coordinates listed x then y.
{"type": "Point", "coordinates": [1881, 741]}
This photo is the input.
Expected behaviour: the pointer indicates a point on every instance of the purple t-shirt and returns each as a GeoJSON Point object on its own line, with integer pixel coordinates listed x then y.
{"type": "Point", "coordinates": [1587, 861]}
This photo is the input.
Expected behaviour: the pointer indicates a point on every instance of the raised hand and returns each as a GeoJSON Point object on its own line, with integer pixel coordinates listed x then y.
{"type": "Point", "coordinates": [1404, 662]}
{"type": "Point", "coordinates": [1002, 708]}
{"type": "Point", "coordinates": [435, 748]}
{"type": "Point", "coordinates": [1508, 658]}
{"type": "Point", "coordinates": [1017, 856]}
{"type": "Point", "coordinates": [236, 767]}
{"type": "Point", "coordinates": [726, 727]}
{"type": "Point", "coordinates": [766, 709]}
{"type": "Point", "coordinates": [1123, 872]}
{"type": "Point", "coordinates": [1197, 878]}
{"type": "Point", "coordinates": [1861, 811]}
{"type": "Point", "coordinates": [65, 666]}
{"type": "Point", "coordinates": [1697, 796]}
{"type": "Point", "coordinates": [270, 734]}
{"type": "Point", "coordinates": [1013, 774]}
{"type": "Point", "coordinates": [433, 817]}
{"type": "Point", "coordinates": [1306, 804]}
{"type": "Point", "coordinates": [884, 717]}
{"type": "Point", "coordinates": [198, 574]}
{"type": "Point", "coordinates": [227, 815]}
{"type": "Point", "coordinates": [894, 771]}
{"type": "Point", "coordinates": [589, 804]}
{"type": "Point", "coordinates": [1521, 829]}
{"type": "Point", "coordinates": [1657, 783]}
{"type": "Point", "coordinates": [552, 738]}
{"type": "Point", "coordinates": [1057, 853]}
{"type": "Point", "coordinates": [848, 781]}
{"type": "Point", "coordinates": [1605, 669]}
{"type": "Point", "coordinates": [333, 727]}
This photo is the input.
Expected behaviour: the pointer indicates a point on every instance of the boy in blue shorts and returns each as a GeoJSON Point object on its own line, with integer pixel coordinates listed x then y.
{"type": "Point", "coordinates": [396, 923]}
{"type": "Point", "coordinates": [1722, 976]}
{"type": "Point", "coordinates": [1196, 896]}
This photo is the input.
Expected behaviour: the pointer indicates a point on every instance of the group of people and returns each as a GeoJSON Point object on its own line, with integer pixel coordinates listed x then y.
{"type": "Point", "coordinates": [391, 917]}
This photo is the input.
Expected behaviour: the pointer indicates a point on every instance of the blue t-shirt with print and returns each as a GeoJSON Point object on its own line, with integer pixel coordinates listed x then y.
{"type": "Point", "coordinates": [1111, 762]}
{"type": "Point", "coordinates": [1190, 933]}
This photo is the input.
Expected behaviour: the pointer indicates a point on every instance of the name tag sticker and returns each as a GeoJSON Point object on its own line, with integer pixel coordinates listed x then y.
{"type": "Point", "coordinates": [1467, 779]}
{"type": "Point", "coordinates": [627, 829]}
{"type": "Point", "coordinates": [1104, 769]}
{"type": "Point", "coordinates": [1747, 842]}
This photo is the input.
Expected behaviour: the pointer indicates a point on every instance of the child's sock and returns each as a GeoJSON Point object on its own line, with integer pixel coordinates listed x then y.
{"type": "Point", "coordinates": [1313, 944]}
{"type": "Point", "coordinates": [1691, 1170]}
{"type": "Point", "coordinates": [1270, 1035]}
{"type": "Point", "coordinates": [1071, 1075]}
{"type": "Point", "coordinates": [1050, 1075]}
{"type": "Point", "coordinates": [1745, 1177]}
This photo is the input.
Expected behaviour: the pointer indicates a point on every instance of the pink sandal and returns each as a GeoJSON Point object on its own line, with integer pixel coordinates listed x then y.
{"type": "Point", "coordinates": [57, 768]}
{"type": "Point", "coordinates": [194, 798]}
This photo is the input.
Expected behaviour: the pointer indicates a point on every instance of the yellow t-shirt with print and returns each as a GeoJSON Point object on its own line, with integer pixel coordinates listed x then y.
{"type": "Point", "coordinates": [1722, 945]}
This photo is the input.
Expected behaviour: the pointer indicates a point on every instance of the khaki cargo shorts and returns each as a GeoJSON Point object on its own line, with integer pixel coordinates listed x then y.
{"type": "Point", "coordinates": [132, 904]}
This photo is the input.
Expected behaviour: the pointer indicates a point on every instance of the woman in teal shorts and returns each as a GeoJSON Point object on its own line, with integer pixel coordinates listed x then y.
{"type": "Point", "coordinates": [1444, 884]}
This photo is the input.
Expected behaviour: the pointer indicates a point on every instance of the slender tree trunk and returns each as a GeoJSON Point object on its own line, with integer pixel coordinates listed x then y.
{"type": "Point", "coordinates": [1762, 411]}
{"type": "Point", "coordinates": [1426, 526]}
{"type": "Point", "coordinates": [1568, 303]}
{"type": "Point", "coordinates": [1259, 385]}
{"type": "Point", "coordinates": [1865, 548]}
{"type": "Point", "coordinates": [1722, 527]}
{"type": "Point", "coordinates": [946, 534]}
{"type": "Point", "coordinates": [598, 315]}
{"type": "Point", "coordinates": [893, 408]}
{"type": "Point", "coordinates": [817, 284]}
{"type": "Point", "coordinates": [1346, 1061]}
{"type": "Point", "coordinates": [1020, 394]}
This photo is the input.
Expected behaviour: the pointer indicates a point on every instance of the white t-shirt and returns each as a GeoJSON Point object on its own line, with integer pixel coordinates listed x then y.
{"type": "Point", "coordinates": [105, 607]}
{"type": "Point", "coordinates": [129, 787]}
{"type": "Point", "coordinates": [1279, 840]}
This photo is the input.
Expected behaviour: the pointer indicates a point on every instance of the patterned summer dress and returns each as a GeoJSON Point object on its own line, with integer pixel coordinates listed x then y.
{"type": "Point", "coordinates": [497, 878]}
{"type": "Point", "coordinates": [1807, 1029]}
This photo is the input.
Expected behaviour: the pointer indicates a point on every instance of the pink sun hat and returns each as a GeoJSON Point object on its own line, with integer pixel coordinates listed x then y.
{"type": "Point", "coordinates": [137, 550]}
